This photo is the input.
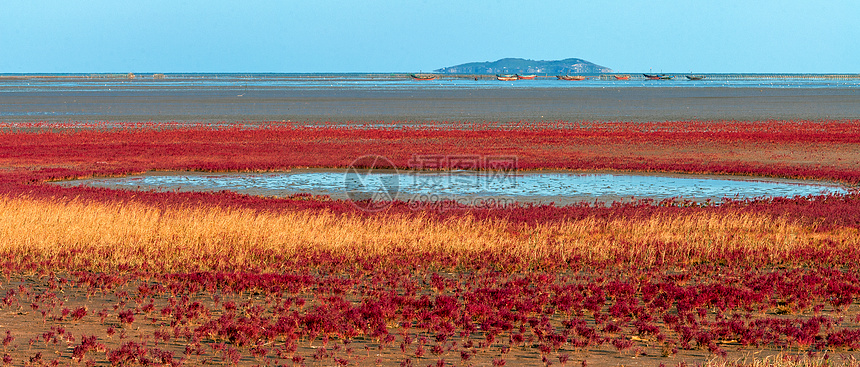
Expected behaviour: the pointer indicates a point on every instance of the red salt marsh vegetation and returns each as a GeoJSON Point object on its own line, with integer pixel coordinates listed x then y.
{"type": "Point", "coordinates": [99, 277]}
{"type": "Point", "coordinates": [804, 149]}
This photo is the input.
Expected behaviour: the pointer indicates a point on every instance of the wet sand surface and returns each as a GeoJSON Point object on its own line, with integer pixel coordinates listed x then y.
{"type": "Point", "coordinates": [228, 104]}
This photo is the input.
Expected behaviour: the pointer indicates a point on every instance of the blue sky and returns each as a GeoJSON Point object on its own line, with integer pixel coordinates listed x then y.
{"type": "Point", "coordinates": [404, 36]}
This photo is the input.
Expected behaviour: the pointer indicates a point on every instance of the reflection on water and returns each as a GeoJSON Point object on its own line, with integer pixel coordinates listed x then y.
{"type": "Point", "coordinates": [522, 187]}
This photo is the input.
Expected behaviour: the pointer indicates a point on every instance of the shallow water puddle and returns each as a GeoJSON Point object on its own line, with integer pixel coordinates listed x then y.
{"type": "Point", "coordinates": [557, 187]}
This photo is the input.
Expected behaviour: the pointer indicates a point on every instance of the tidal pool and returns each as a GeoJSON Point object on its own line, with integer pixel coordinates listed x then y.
{"type": "Point", "coordinates": [560, 188]}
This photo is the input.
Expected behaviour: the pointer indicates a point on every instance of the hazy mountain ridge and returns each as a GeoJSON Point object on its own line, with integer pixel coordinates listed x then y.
{"type": "Point", "coordinates": [524, 66]}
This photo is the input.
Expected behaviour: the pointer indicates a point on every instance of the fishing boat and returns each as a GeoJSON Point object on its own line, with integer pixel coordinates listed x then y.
{"type": "Point", "coordinates": [658, 76]}
{"type": "Point", "coordinates": [506, 77]}
{"type": "Point", "coordinates": [622, 77]}
{"type": "Point", "coordinates": [570, 77]}
{"type": "Point", "coordinates": [526, 77]}
{"type": "Point", "coordinates": [695, 77]}
{"type": "Point", "coordinates": [423, 76]}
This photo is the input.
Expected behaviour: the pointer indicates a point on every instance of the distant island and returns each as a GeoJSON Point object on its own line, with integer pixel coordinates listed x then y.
{"type": "Point", "coordinates": [523, 66]}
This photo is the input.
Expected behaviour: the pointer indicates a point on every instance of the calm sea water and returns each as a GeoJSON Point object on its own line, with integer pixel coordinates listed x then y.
{"type": "Point", "coordinates": [399, 81]}
{"type": "Point", "coordinates": [396, 97]}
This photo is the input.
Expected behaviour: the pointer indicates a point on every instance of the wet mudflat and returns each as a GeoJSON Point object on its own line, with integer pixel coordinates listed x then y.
{"type": "Point", "coordinates": [338, 98]}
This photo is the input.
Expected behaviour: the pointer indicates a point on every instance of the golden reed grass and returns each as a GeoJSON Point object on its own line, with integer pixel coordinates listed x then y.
{"type": "Point", "coordinates": [102, 236]}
